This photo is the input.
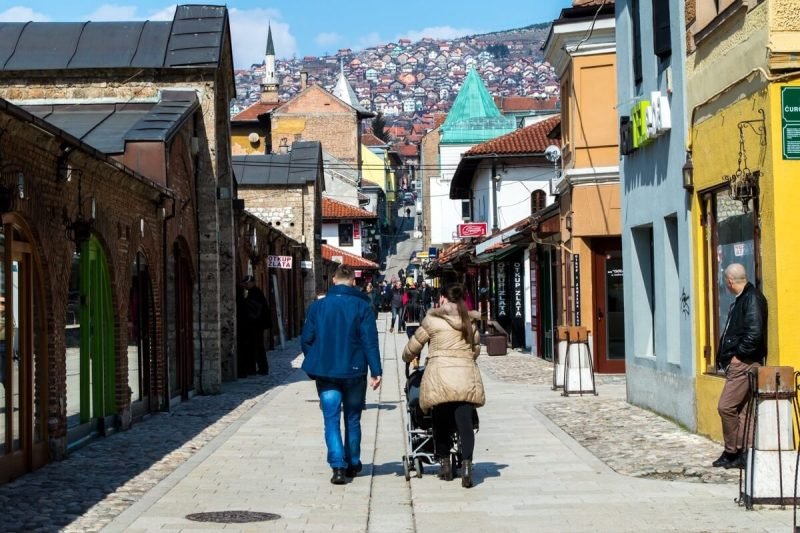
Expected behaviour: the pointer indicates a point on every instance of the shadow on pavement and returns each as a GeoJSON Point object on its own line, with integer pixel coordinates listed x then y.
{"type": "Point", "coordinates": [100, 480]}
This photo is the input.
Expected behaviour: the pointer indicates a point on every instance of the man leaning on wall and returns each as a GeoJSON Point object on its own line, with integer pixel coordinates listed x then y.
{"type": "Point", "coordinates": [742, 348]}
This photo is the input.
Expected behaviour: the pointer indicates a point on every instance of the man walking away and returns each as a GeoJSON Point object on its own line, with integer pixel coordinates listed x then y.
{"type": "Point", "coordinates": [340, 342]}
{"type": "Point", "coordinates": [742, 348]}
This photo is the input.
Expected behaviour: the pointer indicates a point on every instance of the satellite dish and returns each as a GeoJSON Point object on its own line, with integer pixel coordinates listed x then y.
{"type": "Point", "coordinates": [552, 153]}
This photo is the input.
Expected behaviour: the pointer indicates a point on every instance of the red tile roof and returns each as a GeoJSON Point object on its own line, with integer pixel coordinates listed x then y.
{"type": "Point", "coordinates": [510, 104]}
{"type": "Point", "coordinates": [369, 139]}
{"type": "Point", "coordinates": [406, 150]}
{"type": "Point", "coordinates": [336, 209]}
{"type": "Point", "coordinates": [530, 140]}
{"type": "Point", "coordinates": [252, 112]}
{"type": "Point", "coordinates": [351, 260]}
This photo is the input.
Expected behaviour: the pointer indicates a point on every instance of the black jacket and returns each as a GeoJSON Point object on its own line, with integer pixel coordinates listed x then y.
{"type": "Point", "coordinates": [746, 334]}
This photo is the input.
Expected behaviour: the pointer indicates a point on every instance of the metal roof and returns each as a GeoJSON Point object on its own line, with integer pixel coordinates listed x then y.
{"type": "Point", "coordinates": [299, 166]}
{"type": "Point", "coordinates": [194, 38]}
{"type": "Point", "coordinates": [474, 116]}
{"type": "Point", "coordinates": [107, 127]}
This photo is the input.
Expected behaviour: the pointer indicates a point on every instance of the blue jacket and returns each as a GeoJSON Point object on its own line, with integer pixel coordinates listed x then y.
{"type": "Point", "coordinates": [340, 336]}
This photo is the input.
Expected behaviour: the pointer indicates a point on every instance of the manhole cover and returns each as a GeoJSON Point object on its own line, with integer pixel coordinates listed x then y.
{"type": "Point", "coordinates": [232, 517]}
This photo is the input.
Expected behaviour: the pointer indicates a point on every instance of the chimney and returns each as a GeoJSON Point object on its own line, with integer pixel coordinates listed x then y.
{"type": "Point", "coordinates": [284, 146]}
{"type": "Point", "coordinates": [303, 80]}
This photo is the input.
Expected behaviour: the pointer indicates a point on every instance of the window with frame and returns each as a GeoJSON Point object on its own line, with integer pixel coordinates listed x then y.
{"type": "Point", "coordinates": [731, 236]}
{"type": "Point", "coordinates": [644, 293]}
{"type": "Point", "coordinates": [662, 38]}
{"type": "Point", "coordinates": [636, 46]}
{"type": "Point", "coordinates": [538, 200]}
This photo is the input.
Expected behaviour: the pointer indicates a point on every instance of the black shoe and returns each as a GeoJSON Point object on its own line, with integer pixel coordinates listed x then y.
{"type": "Point", "coordinates": [338, 477]}
{"type": "Point", "coordinates": [353, 470]}
{"type": "Point", "coordinates": [739, 462]}
{"type": "Point", "coordinates": [445, 470]}
{"type": "Point", "coordinates": [466, 474]}
{"type": "Point", "coordinates": [728, 460]}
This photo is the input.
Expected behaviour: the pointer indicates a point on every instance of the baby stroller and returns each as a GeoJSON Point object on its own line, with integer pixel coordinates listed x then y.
{"type": "Point", "coordinates": [419, 431]}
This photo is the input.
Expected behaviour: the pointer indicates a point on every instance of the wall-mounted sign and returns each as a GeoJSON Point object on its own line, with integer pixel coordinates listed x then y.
{"type": "Point", "coordinates": [306, 265]}
{"type": "Point", "coordinates": [639, 121]}
{"type": "Point", "coordinates": [790, 121]}
{"type": "Point", "coordinates": [279, 261]}
{"type": "Point", "coordinates": [472, 229]}
{"type": "Point", "coordinates": [576, 287]}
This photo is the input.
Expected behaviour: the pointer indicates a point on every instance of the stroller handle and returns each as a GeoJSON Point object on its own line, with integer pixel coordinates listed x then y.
{"type": "Point", "coordinates": [415, 363]}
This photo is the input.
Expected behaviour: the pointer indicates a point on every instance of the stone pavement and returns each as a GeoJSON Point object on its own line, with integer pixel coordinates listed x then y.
{"type": "Point", "coordinates": [258, 447]}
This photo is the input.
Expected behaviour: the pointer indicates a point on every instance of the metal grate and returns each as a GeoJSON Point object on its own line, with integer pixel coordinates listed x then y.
{"type": "Point", "coordinates": [232, 517]}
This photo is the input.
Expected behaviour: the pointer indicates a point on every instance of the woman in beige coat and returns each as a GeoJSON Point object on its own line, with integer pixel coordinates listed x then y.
{"type": "Point", "coordinates": [451, 384]}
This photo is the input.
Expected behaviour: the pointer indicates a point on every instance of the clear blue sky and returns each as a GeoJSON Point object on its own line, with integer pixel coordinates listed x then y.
{"type": "Point", "coordinates": [312, 27]}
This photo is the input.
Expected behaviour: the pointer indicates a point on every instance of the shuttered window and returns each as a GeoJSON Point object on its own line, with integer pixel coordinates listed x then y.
{"type": "Point", "coordinates": [662, 45]}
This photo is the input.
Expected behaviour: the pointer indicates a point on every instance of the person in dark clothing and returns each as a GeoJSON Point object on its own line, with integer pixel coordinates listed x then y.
{"type": "Point", "coordinates": [742, 348]}
{"type": "Point", "coordinates": [340, 343]}
{"type": "Point", "coordinates": [425, 296]}
{"type": "Point", "coordinates": [254, 317]}
{"type": "Point", "coordinates": [374, 298]}
{"type": "Point", "coordinates": [396, 304]}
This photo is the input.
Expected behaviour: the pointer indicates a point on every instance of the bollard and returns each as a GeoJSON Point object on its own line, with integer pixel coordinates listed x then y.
{"type": "Point", "coordinates": [578, 368]}
{"type": "Point", "coordinates": [769, 473]}
{"type": "Point", "coordinates": [562, 340]}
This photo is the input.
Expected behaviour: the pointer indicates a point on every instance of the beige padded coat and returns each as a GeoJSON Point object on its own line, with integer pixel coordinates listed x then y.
{"type": "Point", "coordinates": [451, 374]}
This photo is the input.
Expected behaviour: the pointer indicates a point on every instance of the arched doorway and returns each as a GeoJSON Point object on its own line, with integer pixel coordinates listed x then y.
{"type": "Point", "coordinates": [141, 338]}
{"type": "Point", "coordinates": [23, 357]}
{"type": "Point", "coordinates": [91, 365]}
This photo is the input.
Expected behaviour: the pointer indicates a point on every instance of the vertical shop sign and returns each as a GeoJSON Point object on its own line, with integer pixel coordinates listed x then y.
{"type": "Point", "coordinates": [502, 288]}
{"type": "Point", "coordinates": [790, 122]}
{"type": "Point", "coordinates": [518, 299]}
{"type": "Point", "coordinates": [576, 287]}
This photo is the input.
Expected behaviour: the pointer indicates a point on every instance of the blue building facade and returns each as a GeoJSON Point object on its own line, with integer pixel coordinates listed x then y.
{"type": "Point", "coordinates": [656, 208]}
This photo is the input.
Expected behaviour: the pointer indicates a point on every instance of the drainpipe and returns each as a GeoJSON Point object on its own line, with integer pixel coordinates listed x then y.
{"type": "Point", "coordinates": [167, 218]}
{"type": "Point", "coordinates": [495, 182]}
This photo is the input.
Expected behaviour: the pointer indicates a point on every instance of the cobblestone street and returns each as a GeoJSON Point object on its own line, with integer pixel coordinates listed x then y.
{"type": "Point", "coordinates": [258, 447]}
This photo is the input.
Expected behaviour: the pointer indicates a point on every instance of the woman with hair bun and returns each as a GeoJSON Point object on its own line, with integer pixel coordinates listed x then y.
{"type": "Point", "coordinates": [451, 383]}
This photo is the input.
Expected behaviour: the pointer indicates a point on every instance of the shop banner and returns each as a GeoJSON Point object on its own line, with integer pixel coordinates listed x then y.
{"type": "Point", "coordinates": [279, 261]}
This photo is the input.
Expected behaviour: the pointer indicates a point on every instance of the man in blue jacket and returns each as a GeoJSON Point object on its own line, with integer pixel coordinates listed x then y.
{"type": "Point", "coordinates": [340, 342]}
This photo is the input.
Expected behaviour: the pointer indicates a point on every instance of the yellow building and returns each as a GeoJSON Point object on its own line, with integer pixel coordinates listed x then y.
{"type": "Point", "coordinates": [744, 115]}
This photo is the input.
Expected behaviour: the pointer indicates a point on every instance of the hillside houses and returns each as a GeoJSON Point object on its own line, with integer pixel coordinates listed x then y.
{"type": "Point", "coordinates": [403, 78]}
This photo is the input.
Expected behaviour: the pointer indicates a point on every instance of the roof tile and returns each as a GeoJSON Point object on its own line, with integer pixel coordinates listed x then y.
{"type": "Point", "coordinates": [336, 209]}
{"type": "Point", "coordinates": [252, 112]}
{"type": "Point", "coordinates": [529, 140]}
{"type": "Point", "coordinates": [351, 260]}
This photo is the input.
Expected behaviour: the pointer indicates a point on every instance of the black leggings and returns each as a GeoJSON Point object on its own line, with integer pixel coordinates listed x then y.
{"type": "Point", "coordinates": [448, 417]}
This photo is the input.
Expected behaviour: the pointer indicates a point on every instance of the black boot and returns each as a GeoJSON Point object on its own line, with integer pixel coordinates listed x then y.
{"type": "Point", "coordinates": [338, 476]}
{"type": "Point", "coordinates": [445, 470]}
{"type": "Point", "coordinates": [466, 474]}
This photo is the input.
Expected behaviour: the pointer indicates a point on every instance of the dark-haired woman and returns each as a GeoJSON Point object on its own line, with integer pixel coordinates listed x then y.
{"type": "Point", "coordinates": [451, 384]}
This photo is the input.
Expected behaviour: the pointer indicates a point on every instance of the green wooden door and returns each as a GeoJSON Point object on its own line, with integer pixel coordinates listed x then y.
{"type": "Point", "coordinates": [98, 380]}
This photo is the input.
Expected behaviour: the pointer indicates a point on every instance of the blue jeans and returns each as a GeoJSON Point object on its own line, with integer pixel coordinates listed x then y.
{"type": "Point", "coordinates": [333, 395]}
{"type": "Point", "coordinates": [397, 312]}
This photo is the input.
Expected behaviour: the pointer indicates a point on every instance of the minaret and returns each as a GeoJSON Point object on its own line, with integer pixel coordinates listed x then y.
{"type": "Point", "coordinates": [269, 84]}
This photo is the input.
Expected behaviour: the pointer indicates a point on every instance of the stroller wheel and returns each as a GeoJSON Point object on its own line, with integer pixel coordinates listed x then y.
{"type": "Point", "coordinates": [418, 466]}
{"type": "Point", "coordinates": [406, 468]}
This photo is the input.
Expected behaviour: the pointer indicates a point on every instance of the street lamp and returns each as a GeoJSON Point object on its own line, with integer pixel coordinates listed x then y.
{"type": "Point", "coordinates": [688, 173]}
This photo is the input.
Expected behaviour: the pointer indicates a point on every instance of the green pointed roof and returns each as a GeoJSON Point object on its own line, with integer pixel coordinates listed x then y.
{"type": "Point", "coordinates": [474, 117]}
{"type": "Point", "coordinates": [270, 47]}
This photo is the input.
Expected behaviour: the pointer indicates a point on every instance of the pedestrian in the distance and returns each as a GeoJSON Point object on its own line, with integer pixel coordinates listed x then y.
{"type": "Point", "coordinates": [374, 298]}
{"type": "Point", "coordinates": [340, 343]}
{"type": "Point", "coordinates": [396, 304]}
{"type": "Point", "coordinates": [255, 316]}
{"type": "Point", "coordinates": [742, 348]}
{"type": "Point", "coordinates": [425, 296]}
{"type": "Point", "coordinates": [451, 383]}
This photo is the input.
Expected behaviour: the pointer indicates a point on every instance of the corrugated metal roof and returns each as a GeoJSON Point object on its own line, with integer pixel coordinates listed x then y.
{"type": "Point", "coordinates": [193, 39]}
{"type": "Point", "coordinates": [295, 168]}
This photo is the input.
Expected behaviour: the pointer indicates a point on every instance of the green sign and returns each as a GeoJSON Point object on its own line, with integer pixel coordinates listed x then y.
{"type": "Point", "coordinates": [790, 122]}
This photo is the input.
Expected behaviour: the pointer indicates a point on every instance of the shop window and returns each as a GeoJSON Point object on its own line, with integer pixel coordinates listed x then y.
{"type": "Point", "coordinates": [140, 326]}
{"type": "Point", "coordinates": [731, 237]}
{"type": "Point", "coordinates": [673, 293]}
{"type": "Point", "coordinates": [643, 290]}
{"type": "Point", "coordinates": [346, 234]}
{"type": "Point", "coordinates": [72, 341]}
